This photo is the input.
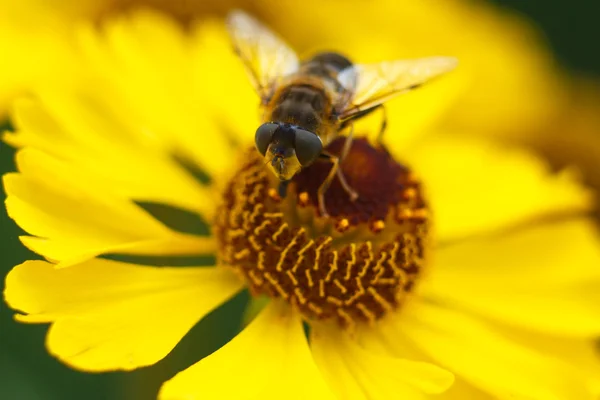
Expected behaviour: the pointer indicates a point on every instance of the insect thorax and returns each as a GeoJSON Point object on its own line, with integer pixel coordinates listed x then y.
{"type": "Point", "coordinates": [300, 104]}
{"type": "Point", "coordinates": [306, 98]}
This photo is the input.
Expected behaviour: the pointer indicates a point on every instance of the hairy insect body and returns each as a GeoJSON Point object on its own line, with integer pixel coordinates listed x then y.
{"type": "Point", "coordinates": [305, 99]}
{"type": "Point", "coordinates": [308, 103]}
{"type": "Point", "coordinates": [300, 104]}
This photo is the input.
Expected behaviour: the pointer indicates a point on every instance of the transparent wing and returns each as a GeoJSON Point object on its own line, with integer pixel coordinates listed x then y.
{"type": "Point", "coordinates": [267, 57]}
{"type": "Point", "coordinates": [373, 84]}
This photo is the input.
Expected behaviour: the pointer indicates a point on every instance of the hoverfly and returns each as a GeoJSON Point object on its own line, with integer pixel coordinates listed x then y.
{"type": "Point", "coordinates": [309, 103]}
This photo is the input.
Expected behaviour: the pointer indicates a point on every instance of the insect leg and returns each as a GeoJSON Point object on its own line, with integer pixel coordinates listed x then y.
{"type": "Point", "coordinates": [282, 188]}
{"type": "Point", "coordinates": [366, 112]}
{"type": "Point", "coordinates": [347, 143]}
{"type": "Point", "coordinates": [335, 170]}
{"type": "Point", "coordinates": [383, 126]}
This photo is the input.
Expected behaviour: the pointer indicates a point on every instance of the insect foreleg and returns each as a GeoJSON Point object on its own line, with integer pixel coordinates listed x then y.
{"type": "Point", "coordinates": [335, 170]}
{"type": "Point", "coordinates": [366, 112]}
{"type": "Point", "coordinates": [383, 125]}
{"type": "Point", "coordinates": [347, 143]}
{"type": "Point", "coordinates": [282, 188]}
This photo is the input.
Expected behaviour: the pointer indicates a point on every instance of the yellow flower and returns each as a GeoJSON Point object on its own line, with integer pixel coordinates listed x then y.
{"type": "Point", "coordinates": [503, 303]}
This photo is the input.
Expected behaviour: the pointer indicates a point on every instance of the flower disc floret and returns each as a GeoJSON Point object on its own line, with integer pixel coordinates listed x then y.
{"type": "Point", "coordinates": [284, 249]}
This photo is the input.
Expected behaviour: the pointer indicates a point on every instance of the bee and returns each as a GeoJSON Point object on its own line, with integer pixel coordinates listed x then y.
{"type": "Point", "coordinates": [308, 103]}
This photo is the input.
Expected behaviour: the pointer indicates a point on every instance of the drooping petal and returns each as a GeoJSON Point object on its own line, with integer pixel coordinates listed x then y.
{"type": "Point", "coordinates": [108, 315]}
{"type": "Point", "coordinates": [487, 359]}
{"type": "Point", "coordinates": [269, 359]}
{"type": "Point", "coordinates": [544, 278]}
{"type": "Point", "coordinates": [74, 220]}
{"type": "Point", "coordinates": [357, 373]}
{"type": "Point", "coordinates": [475, 186]}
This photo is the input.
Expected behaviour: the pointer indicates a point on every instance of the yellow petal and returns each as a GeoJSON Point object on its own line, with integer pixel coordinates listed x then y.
{"type": "Point", "coordinates": [487, 359]}
{"type": "Point", "coordinates": [545, 278]}
{"type": "Point", "coordinates": [233, 101]}
{"type": "Point", "coordinates": [74, 220]}
{"type": "Point", "coordinates": [357, 373]}
{"type": "Point", "coordinates": [108, 315]}
{"type": "Point", "coordinates": [580, 354]}
{"type": "Point", "coordinates": [384, 338]}
{"type": "Point", "coordinates": [543, 253]}
{"type": "Point", "coordinates": [65, 254]}
{"type": "Point", "coordinates": [42, 40]}
{"type": "Point", "coordinates": [476, 186]}
{"type": "Point", "coordinates": [499, 52]}
{"type": "Point", "coordinates": [106, 151]}
{"type": "Point", "coordinates": [462, 390]}
{"type": "Point", "coordinates": [269, 359]}
{"type": "Point", "coordinates": [413, 114]}
{"type": "Point", "coordinates": [141, 85]}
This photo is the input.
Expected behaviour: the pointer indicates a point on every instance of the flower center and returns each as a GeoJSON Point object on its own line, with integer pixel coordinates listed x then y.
{"type": "Point", "coordinates": [353, 266]}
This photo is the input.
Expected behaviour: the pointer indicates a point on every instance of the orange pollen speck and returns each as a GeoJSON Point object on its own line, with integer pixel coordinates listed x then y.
{"type": "Point", "coordinates": [272, 193]}
{"type": "Point", "coordinates": [377, 226]}
{"type": "Point", "coordinates": [352, 267]}
{"type": "Point", "coordinates": [342, 225]}
{"type": "Point", "coordinates": [410, 193]}
{"type": "Point", "coordinates": [303, 199]}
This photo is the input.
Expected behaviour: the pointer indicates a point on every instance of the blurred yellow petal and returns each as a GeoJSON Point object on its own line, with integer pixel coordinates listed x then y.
{"type": "Point", "coordinates": [462, 390]}
{"type": "Point", "coordinates": [485, 358]}
{"type": "Point", "coordinates": [499, 51]}
{"type": "Point", "coordinates": [233, 101]}
{"type": "Point", "coordinates": [32, 34]}
{"type": "Point", "coordinates": [95, 144]}
{"type": "Point", "coordinates": [544, 278]}
{"type": "Point", "coordinates": [130, 162]}
{"type": "Point", "coordinates": [580, 354]}
{"type": "Point", "coordinates": [549, 253]}
{"type": "Point", "coordinates": [75, 220]}
{"type": "Point", "coordinates": [501, 55]}
{"type": "Point", "coordinates": [413, 114]}
{"type": "Point", "coordinates": [477, 186]}
{"type": "Point", "coordinates": [130, 54]}
{"type": "Point", "coordinates": [268, 358]}
{"type": "Point", "coordinates": [357, 373]}
{"type": "Point", "coordinates": [571, 136]}
{"type": "Point", "coordinates": [108, 315]}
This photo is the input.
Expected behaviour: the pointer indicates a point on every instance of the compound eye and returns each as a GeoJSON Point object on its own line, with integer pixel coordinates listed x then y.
{"type": "Point", "coordinates": [308, 146]}
{"type": "Point", "coordinates": [264, 135]}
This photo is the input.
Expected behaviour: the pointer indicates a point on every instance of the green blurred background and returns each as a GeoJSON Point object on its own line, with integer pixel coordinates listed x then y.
{"type": "Point", "coordinates": [27, 372]}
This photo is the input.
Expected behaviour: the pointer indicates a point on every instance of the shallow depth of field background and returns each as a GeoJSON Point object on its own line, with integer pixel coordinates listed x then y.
{"type": "Point", "coordinates": [27, 372]}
